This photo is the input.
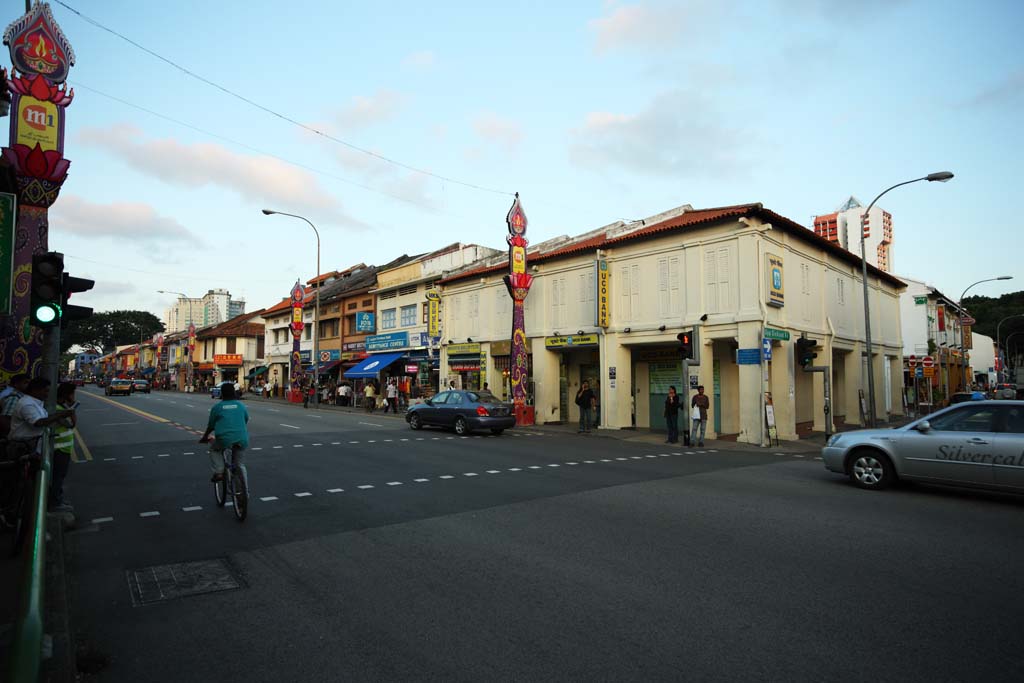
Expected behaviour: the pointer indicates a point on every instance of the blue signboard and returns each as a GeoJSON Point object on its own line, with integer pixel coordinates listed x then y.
{"type": "Point", "coordinates": [365, 322]}
{"type": "Point", "coordinates": [328, 355]}
{"type": "Point", "coordinates": [386, 342]}
{"type": "Point", "coordinates": [748, 356]}
{"type": "Point", "coordinates": [767, 345]}
{"type": "Point", "coordinates": [918, 371]}
{"type": "Point", "coordinates": [306, 356]}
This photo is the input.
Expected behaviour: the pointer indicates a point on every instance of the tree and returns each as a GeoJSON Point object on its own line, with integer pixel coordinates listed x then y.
{"type": "Point", "coordinates": [102, 332]}
{"type": "Point", "coordinates": [988, 311]}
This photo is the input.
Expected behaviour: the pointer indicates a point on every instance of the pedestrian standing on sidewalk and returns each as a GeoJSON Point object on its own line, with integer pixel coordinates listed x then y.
{"type": "Point", "coordinates": [672, 415]}
{"type": "Point", "coordinates": [586, 400]}
{"type": "Point", "coordinates": [63, 447]}
{"type": "Point", "coordinates": [700, 416]}
{"type": "Point", "coordinates": [369, 398]}
{"type": "Point", "coordinates": [393, 396]}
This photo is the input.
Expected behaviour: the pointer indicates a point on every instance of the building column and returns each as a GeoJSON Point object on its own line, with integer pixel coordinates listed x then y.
{"type": "Point", "coordinates": [750, 386]}
{"type": "Point", "coordinates": [824, 359]}
{"type": "Point", "coordinates": [854, 383]}
{"type": "Point", "coordinates": [780, 381]}
{"type": "Point", "coordinates": [615, 401]}
{"type": "Point", "coordinates": [878, 367]}
{"type": "Point", "coordinates": [545, 379]}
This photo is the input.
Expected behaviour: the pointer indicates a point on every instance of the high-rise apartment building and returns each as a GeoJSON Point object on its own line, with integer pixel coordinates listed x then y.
{"type": "Point", "coordinates": [216, 306]}
{"type": "Point", "coordinates": [841, 227]}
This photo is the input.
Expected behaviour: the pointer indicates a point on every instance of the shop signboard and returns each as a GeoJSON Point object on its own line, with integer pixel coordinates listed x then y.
{"type": "Point", "coordinates": [365, 322]}
{"type": "Point", "coordinates": [664, 375]}
{"type": "Point", "coordinates": [501, 348]}
{"type": "Point", "coordinates": [774, 271]}
{"type": "Point", "coordinates": [603, 317]}
{"type": "Point", "coordinates": [463, 349]}
{"type": "Point", "coordinates": [433, 313]}
{"type": "Point", "coordinates": [327, 355]}
{"type": "Point", "coordinates": [571, 341]}
{"type": "Point", "coordinates": [748, 356]}
{"type": "Point", "coordinates": [306, 356]}
{"type": "Point", "coordinates": [387, 342]}
{"type": "Point", "coordinates": [227, 359]}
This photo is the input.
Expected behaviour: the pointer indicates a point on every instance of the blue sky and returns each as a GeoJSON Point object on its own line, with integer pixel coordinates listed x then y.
{"type": "Point", "coordinates": [593, 111]}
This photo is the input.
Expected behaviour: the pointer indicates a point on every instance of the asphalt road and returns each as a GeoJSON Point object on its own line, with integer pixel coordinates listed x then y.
{"type": "Point", "coordinates": [373, 552]}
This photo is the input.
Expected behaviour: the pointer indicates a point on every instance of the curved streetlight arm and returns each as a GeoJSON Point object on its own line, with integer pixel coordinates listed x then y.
{"type": "Point", "coordinates": [881, 194]}
{"type": "Point", "coordinates": [960, 324]}
{"type": "Point", "coordinates": [271, 212]}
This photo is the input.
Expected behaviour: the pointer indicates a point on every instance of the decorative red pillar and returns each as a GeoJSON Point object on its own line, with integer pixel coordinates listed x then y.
{"type": "Point", "coordinates": [41, 57]}
{"type": "Point", "coordinates": [297, 296]}
{"type": "Point", "coordinates": [518, 282]}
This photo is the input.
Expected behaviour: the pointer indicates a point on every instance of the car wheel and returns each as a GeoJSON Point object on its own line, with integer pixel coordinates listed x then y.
{"type": "Point", "coordinates": [870, 469]}
{"type": "Point", "coordinates": [461, 428]}
{"type": "Point", "coordinates": [414, 421]}
{"type": "Point", "coordinates": [497, 432]}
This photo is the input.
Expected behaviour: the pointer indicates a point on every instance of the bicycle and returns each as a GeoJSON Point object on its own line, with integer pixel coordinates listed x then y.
{"type": "Point", "coordinates": [234, 483]}
{"type": "Point", "coordinates": [17, 509]}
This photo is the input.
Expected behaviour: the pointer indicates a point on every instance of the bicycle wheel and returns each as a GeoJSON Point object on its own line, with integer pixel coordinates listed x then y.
{"type": "Point", "coordinates": [220, 490]}
{"type": "Point", "coordinates": [240, 491]}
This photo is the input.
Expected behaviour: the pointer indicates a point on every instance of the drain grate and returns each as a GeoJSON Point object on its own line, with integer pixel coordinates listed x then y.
{"type": "Point", "coordinates": [172, 581]}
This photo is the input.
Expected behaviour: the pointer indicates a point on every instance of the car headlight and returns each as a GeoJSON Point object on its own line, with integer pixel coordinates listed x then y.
{"type": "Point", "coordinates": [833, 440]}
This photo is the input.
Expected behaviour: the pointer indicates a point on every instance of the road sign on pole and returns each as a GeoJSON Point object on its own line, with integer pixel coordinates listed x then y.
{"type": "Point", "coordinates": [912, 361]}
{"type": "Point", "coordinates": [927, 361]}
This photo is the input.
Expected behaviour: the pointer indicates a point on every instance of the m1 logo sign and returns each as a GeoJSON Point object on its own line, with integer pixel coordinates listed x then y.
{"type": "Point", "coordinates": [35, 116]}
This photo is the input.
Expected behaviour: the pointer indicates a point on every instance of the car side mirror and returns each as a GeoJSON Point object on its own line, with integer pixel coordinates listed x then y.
{"type": "Point", "coordinates": [923, 426]}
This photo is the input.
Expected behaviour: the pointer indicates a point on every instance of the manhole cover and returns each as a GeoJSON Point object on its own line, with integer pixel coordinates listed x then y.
{"type": "Point", "coordinates": [172, 581]}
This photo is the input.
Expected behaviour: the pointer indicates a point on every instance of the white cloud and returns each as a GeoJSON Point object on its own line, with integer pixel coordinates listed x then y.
{"type": "Point", "coordinates": [364, 111]}
{"type": "Point", "coordinates": [420, 61]}
{"type": "Point", "coordinates": [260, 179]}
{"type": "Point", "coordinates": [493, 128]}
{"type": "Point", "coordinates": [657, 26]}
{"type": "Point", "coordinates": [74, 215]}
{"type": "Point", "coordinates": [679, 134]}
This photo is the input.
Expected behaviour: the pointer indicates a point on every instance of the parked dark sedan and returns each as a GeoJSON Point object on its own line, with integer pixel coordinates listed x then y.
{"type": "Point", "coordinates": [463, 411]}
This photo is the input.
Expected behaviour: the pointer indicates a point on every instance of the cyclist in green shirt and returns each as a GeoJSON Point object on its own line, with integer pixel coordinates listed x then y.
{"type": "Point", "coordinates": [228, 421]}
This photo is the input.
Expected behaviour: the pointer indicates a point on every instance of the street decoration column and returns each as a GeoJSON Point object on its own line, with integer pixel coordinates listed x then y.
{"type": "Point", "coordinates": [518, 282]}
{"type": "Point", "coordinates": [41, 58]}
{"type": "Point", "coordinates": [297, 295]}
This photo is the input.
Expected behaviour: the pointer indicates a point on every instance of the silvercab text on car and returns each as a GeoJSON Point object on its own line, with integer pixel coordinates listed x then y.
{"type": "Point", "coordinates": [958, 454]}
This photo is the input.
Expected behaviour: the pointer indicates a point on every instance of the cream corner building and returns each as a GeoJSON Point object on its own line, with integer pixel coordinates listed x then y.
{"type": "Point", "coordinates": [707, 270]}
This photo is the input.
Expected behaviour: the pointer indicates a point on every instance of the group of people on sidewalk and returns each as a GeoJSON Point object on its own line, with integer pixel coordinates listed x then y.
{"type": "Point", "coordinates": [699, 405]}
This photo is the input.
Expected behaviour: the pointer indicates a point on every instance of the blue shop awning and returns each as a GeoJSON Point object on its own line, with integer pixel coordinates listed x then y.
{"type": "Point", "coordinates": [370, 367]}
{"type": "Point", "coordinates": [148, 371]}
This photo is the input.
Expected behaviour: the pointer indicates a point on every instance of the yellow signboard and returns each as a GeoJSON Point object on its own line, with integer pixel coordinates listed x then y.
{"type": "Point", "coordinates": [776, 281]}
{"type": "Point", "coordinates": [573, 340]}
{"type": "Point", "coordinates": [463, 349]}
{"type": "Point", "coordinates": [603, 297]}
{"type": "Point", "coordinates": [38, 123]}
{"type": "Point", "coordinates": [928, 372]}
{"type": "Point", "coordinates": [433, 313]}
{"type": "Point", "coordinates": [518, 259]}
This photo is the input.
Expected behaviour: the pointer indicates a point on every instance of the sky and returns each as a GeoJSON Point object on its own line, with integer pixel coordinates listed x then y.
{"type": "Point", "coordinates": [398, 128]}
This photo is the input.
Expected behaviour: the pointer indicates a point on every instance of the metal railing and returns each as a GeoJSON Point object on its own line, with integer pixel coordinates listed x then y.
{"type": "Point", "coordinates": [27, 644]}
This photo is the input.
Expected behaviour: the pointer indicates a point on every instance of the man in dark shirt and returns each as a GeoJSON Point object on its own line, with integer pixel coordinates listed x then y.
{"type": "Point", "coordinates": [586, 400]}
{"type": "Point", "coordinates": [672, 415]}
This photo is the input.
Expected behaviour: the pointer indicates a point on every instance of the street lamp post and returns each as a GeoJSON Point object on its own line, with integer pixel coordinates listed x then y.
{"type": "Point", "coordinates": [960, 312]}
{"type": "Point", "coordinates": [941, 176]}
{"type": "Point", "coordinates": [188, 364]}
{"type": "Point", "coordinates": [1008, 338]}
{"type": "Point", "coordinates": [999, 375]}
{"type": "Point", "coordinates": [316, 313]}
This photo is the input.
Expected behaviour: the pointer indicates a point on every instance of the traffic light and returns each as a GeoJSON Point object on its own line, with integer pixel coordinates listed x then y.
{"type": "Point", "coordinates": [805, 351]}
{"type": "Point", "coordinates": [46, 288]}
{"type": "Point", "coordinates": [70, 285]}
{"type": "Point", "coordinates": [685, 344]}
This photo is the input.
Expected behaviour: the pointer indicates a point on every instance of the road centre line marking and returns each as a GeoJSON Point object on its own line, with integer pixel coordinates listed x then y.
{"type": "Point", "coordinates": [635, 457]}
{"type": "Point", "coordinates": [667, 455]}
{"type": "Point", "coordinates": [130, 409]}
{"type": "Point", "coordinates": [372, 424]}
{"type": "Point", "coordinates": [797, 456]}
{"type": "Point", "coordinates": [605, 460]}
{"type": "Point", "coordinates": [267, 499]}
{"type": "Point", "coordinates": [534, 467]}
{"type": "Point", "coordinates": [258, 448]}
{"type": "Point", "coordinates": [371, 441]}
{"type": "Point", "coordinates": [469, 474]}
{"type": "Point", "coordinates": [80, 442]}
{"type": "Point", "coordinates": [420, 481]}
{"type": "Point", "coordinates": [689, 452]}
{"type": "Point", "coordinates": [335, 490]}
{"type": "Point", "coordinates": [365, 486]}
{"type": "Point", "coordinates": [589, 462]}
{"type": "Point", "coordinates": [163, 455]}
{"type": "Point", "coordinates": [572, 463]}
{"type": "Point", "coordinates": [189, 453]}
{"type": "Point", "coordinates": [288, 426]}
{"type": "Point", "coordinates": [316, 416]}
{"type": "Point", "coordinates": [152, 513]}
{"type": "Point", "coordinates": [349, 442]}
{"type": "Point", "coordinates": [420, 439]}
{"type": "Point", "coordinates": [650, 456]}
{"type": "Point", "coordinates": [303, 494]}
{"type": "Point", "coordinates": [100, 520]}
{"type": "Point", "coordinates": [278, 446]}
{"type": "Point", "coordinates": [621, 458]}
{"type": "Point", "coordinates": [318, 444]}
{"type": "Point", "coordinates": [388, 440]}
{"type": "Point", "coordinates": [297, 445]}
{"type": "Point", "coordinates": [335, 443]}
{"type": "Point", "coordinates": [514, 469]}
{"type": "Point", "coordinates": [554, 464]}
{"type": "Point", "coordinates": [447, 476]}
{"type": "Point", "coordinates": [435, 438]}
{"type": "Point", "coordinates": [192, 508]}
{"type": "Point", "coordinates": [403, 439]}
{"type": "Point", "coordinates": [493, 471]}
{"type": "Point", "coordinates": [394, 483]}
{"type": "Point", "coordinates": [117, 424]}
{"type": "Point", "coordinates": [822, 459]}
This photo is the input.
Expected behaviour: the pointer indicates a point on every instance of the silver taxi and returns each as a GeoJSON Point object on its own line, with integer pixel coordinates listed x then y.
{"type": "Point", "coordinates": [979, 443]}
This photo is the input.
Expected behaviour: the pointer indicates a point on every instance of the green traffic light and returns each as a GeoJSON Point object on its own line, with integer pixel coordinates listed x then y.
{"type": "Point", "coordinates": [47, 313]}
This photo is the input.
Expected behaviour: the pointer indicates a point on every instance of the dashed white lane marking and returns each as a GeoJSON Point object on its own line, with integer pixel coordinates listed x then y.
{"type": "Point", "coordinates": [101, 520]}
{"type": "Point", "coordinates": [469, 474]}
{"type": "Point", "coordinates": [335, 443]}
{"type": "Point", "coordinates": [778, 453]}
{"type": "Point", "coordinates": [318, 444]}
{"type": "Point", "coordinates": [365, 486]}
{"type": "Point", "coordinates": [589, 462]}
{"type": "Point", "coordinates": [621, 458]}
{"type": "Point", "coordinates": [797, 456]}
{"type": "Point", "coordinates": [420, 481]}
{"type": "Point", "coordinates": [635, 457]}
{"type": "Point", "coordinates": [534, 467]}
{"type": "Point", "coordinates": [192, 508]}
{"type": "Point", "coordinates": [278, 447]}
{"type": "Point", "coordinates": [713, 450]}
{"type": "Point", "coordinates": [335, 490]}
{"type": "Point", "coordinates": [822, 459]}
{"type": "Point", "coordinates": [605, 460]}
{"type": "Point", "coordinates": [403, 439]}
{"type": "Point", "coordinates": [109, 459]}
{"type": "Point", "coordinates": [554, 464]}
{"type": "Point", "coordinates": [447, 476]}
{"type": "Point", "coordinates": [371, 441]}
{"type": "Point", "coordinates": [189, 453]}
{"type": "Point", "coordinates": [514, 469]}
{"type": "Point", "coordinates": [267, 499]}
{"type": "Point", "coordinates": [493, 471]}
{"type": "Point", "coordinates": [666, 455]}
{"type": "Point", "coordinates": [258, 448]}
{"type": "Point", "coordinates": [136, 457]}
{"type": "Point", "coordinates": [151, 513]}
{"type": "Point", "coordinates": [690, 453]}
{"type": "Point", "coordinates": [288, 426]}
{"type": "Point", "coordinates": [274, 410]}
{"type": "Point", "coordinates": [189, 405]}
{"type": "Point", "coordinates": [572, 463]}
{"type": "Point", "coordinates": [449, 438]}
{"type": "Point", "coordinates": [387, 440]}
{"type": "Point", "coordinates": [303, 494]}
{"type": "Point", "coordinates": [162, 455]}
{"type": "Point", "coordinates": [353, 442]}
{"type": "Point", "coordinates": [420, 438]}
{"type": "Point", "coordinates": [372, 424]}
{"type": "Point", "coordinates": [316, 417]}
{"type": "Point", "coordinates": [394, 483]}
{"type": "Point", "coordinates": [297, 445]}
{"type": "Point", "coordinates": [652, 456]}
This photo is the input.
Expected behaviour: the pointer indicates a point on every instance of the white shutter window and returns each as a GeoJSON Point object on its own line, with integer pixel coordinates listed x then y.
{"type": "Point", "coordinates": [627, 311]}
{"type": "Point", "coordinates": [724, 281]}
{"type": "Point", "coordinates": [664, 302]}
{"type": "Point", "coordinates": [711, 280]}
{"type": "Point", "coordinates": [634, 290]}
{"type": "Point", "coordinates": [675, 300]}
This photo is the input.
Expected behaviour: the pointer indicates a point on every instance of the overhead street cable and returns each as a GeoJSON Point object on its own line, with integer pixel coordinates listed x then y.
{"type": "Point", "coordinates": [283, 117]}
